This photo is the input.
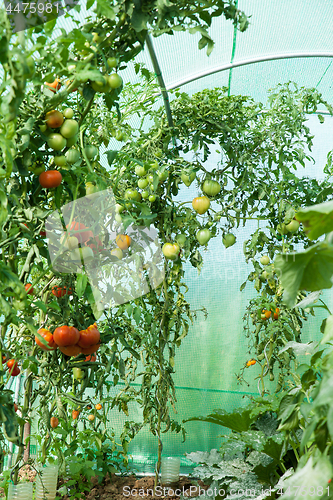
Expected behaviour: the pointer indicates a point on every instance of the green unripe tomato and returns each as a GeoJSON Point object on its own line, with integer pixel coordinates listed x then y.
{"type": "Point", "coordinates": [282, 229]}
{"type": "Point", "coordinates": [119, 135]}
{"type": "Point", "coordinates": [264, 260]}
{"type": "Point", "coordinates": [115, 81]}
{"type": "Point", "coordinates": [132, 194]}
{"type": "Point", "coordinates": [119, 208]}
{"type": "Point", "coordinates": [90, 188]}
{"type": "Point", "coordinates": [72, 141]}
{"type": "Point", "coordinates": [293, 226]}
{"type": "Point", "coordinates": [112, 62]}
{"type": "Point", "coordinates": [72, 156]}
{"type": "Point", "coordinates": [145, 195]}
{"type": "Point", "coordinates": [188, 177]}
{"type": "Point", "coordinates": [140, 171]}
{"type": "Point", "coordinates": [163, 176]}
{"type": "Point", "coordinates": [142, 183]}
{"type": "Point", "coordinates": [150, 178]}
{"type": "Point", "coordinates": [181, 239]}
{"type": "Point", "coordinates": [91, 151]}
{"type": "Point", "coordinates": [152, 198]}
{"type": "Point", "coordinates": [69, 128]}
{"type": "Point", "coordinates": [203, 236]}
{"type": "Point", "coordinates": [68, 113]}
{"type": "Point", "coordinates": [151, 187]}
{"type": "Point", "coordinates": [211, 188]}
{"type": "Point", "coordinates": [60, 161]}
{"type": "Point", "coordinates": [229, 240]}
{"type": "Point", "coordinates": [56, 142]}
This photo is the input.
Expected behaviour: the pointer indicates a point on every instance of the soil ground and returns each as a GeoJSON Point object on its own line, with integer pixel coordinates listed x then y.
{"type": "Point", "coordinates": [129, 487]}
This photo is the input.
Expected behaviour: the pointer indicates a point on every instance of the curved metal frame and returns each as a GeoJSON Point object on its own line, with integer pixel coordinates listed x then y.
{"type": "Point", "coordinates": [224, 67]}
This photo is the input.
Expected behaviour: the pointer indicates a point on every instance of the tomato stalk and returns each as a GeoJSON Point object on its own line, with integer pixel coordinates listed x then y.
{"type": "Point", "coordinates": [25, 410]}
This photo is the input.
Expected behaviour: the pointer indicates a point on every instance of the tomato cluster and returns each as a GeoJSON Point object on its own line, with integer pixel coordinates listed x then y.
{"type": "Point", "coordinates": [251, 362]}
{"type": "Point", "coordinates": [70, 340]}
{"type": "Point", "coordinates": [13, 367]}
{"type": "Point", "coordinates": [266, 314]}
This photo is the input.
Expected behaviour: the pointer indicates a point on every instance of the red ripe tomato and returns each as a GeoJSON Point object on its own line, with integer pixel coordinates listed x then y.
{"type": "Point", "coordinates": [78, 230]}
{"type": "Point", "coordinates": [66, 335]}
{"type": "Point", "coordinates": [47, 335]}
{"type": "Point", "coordinates": [59, 291]}
{"type": "Point", "coordinates": [29, 289]}
{"type": "Point", "coordinates": [91, 358]}
{"type": "Point", "coordinates": [70, 350]}
{"type": "Point", "coordinates": [4, 359]}
{"type": "Point", "coordinates": [15, 407]}
{"type": "Point", "coordinates": [42, 234]}
{"type": "Point", "coordinates": [89, 337]}
{"type": "Point", "coordinates": [13, 367]}
{"type": "Point", "coordinates": [54, 422]}
{"type": "Point", "coordinates": [91, 349]}
{"type": "Point", "coordinates": [50, 179]}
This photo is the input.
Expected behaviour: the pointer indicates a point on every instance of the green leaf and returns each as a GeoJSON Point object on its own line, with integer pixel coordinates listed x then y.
{"type": "Point", "coordinates": [111, 156]}
{"type": "Point", "coordinates": [328, 332]}
{"type": "Point", "coordinates": [317, 220]}
{"type": "Point", "coordinates": [238, 421]}
{"type": "Point", "coordinates": [310, 270]}
{"type": "Point", "coordinates": [307, 479]}
{"type": "Point", "coordinates": [81, 284]}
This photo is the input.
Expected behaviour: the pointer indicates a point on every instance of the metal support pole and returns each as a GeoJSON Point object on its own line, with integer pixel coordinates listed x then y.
{"type": "Point", "coordinates": [160, 80]}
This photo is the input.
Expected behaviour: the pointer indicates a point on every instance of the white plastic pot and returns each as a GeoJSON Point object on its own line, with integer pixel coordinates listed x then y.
{"type": "Point", "coordinates": [170, 470]}
{"type": "Point", "coordinates": [21, 491]}
{"type": "Point", "coordinates": [46, 483]}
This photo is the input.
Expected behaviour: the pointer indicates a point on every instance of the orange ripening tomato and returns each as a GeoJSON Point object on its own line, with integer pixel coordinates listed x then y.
{"type": "Point", "coordinates": [70, 350]}
{"type": "Point", "coordinates": [54, 119]}
{"type": "Point", "coordinates": [54, 422]}
{"type": "Point", "coordinates": [91, 349]}
{"type": "Point", "coordinates": [91, 358]}
{"type": "Point", "coordinates": [276, 314]}
{"type": "Point", "coordinates": [66, 335]}
{"type": "Point", "coordinates": [98, 406]}
{"type": "Point", "coordinates": [90, 336]}
{"type": "Point", "coordinates": [123, 241]}
{"type": "Point", "coordinates": [75, 414]}
{"type": "Point", "coordinates": [15, 407]}
{"type": "Point", "coordinates": [47, 335]}
{"type": "Point", "coordinates": [29, 289]}
{"type": "Point", "coordinates": [54, 86]}
{"type": "Point", "coordinates": [91, 418]}
{"type": "Point", "coordinates": [266, 313]}
{"type": "Point", "coordinates": [4, 359]}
